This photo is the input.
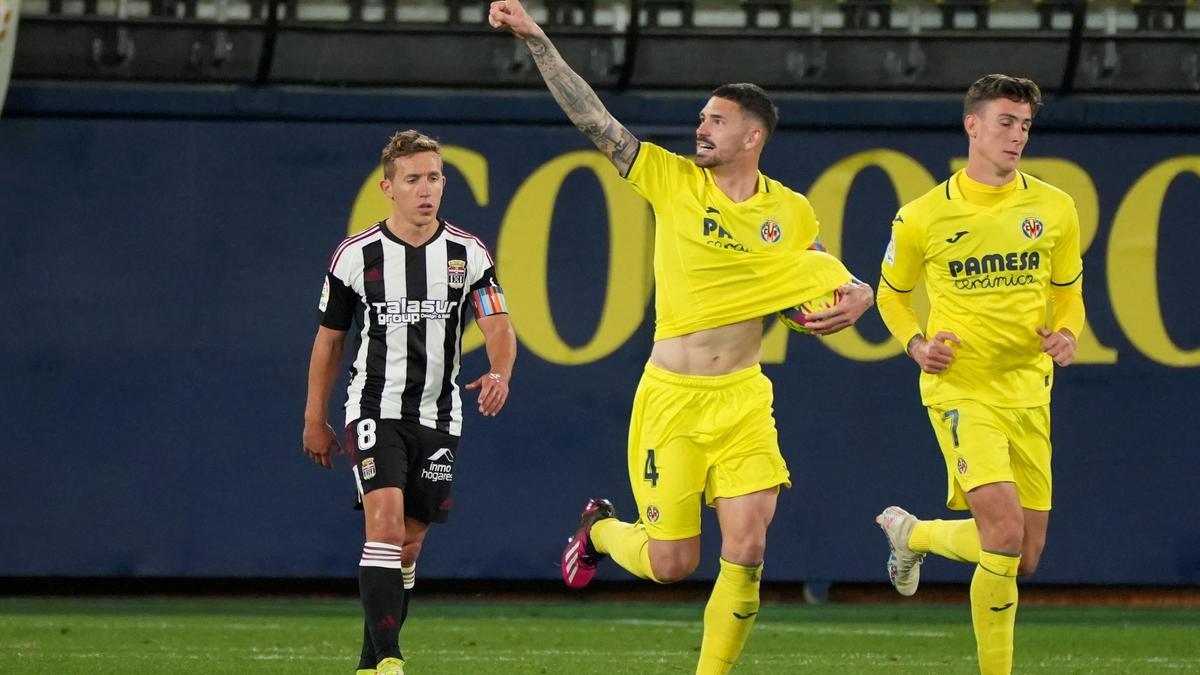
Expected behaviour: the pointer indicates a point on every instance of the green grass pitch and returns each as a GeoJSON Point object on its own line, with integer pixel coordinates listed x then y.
{"type": "Point", "coordinates": [236, 636]}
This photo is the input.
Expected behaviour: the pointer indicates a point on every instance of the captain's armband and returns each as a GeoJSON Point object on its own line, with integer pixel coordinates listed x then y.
{"type": "Point", "coordinates": [488, 301]}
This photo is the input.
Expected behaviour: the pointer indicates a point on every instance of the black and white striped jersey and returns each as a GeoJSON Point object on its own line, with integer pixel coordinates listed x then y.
{"type": "Point", "coordinates": [410, 304]}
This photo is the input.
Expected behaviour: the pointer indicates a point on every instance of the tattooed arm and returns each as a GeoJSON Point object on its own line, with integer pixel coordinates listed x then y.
{"type": "Point", "coordinates": [573, 94]}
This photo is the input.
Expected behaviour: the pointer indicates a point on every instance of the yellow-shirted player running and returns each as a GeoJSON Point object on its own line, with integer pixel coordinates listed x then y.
{"type": "Point", "coordinates": [731, 246]}
{"type": "Point", "coordinates": [994, 245]}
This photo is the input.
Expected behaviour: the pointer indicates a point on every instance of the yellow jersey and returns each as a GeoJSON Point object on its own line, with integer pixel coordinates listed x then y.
{"type": "Point", "coordinates": [989, 273]}
{"type": "Point", "coordinates": [718, 262]}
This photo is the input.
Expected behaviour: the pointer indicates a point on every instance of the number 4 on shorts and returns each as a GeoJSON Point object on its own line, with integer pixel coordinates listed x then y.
{"type": "Point", "coordinates": [650, 472]}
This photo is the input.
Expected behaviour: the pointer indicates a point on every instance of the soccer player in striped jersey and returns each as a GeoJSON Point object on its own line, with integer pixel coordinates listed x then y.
{"type": "Point", "coordinates": [731, 247]}
{"type": "Point", "coordinates": [995, 245]}
{"type": "Point", "coordinates": [409, 283]}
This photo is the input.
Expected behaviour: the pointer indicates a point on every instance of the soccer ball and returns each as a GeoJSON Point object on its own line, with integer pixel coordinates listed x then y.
{"type": "Point", "coordinates": [796, 317]}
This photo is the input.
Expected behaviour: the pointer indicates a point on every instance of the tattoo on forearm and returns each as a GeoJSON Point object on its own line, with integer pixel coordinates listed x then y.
{"type": "Point", "coordinates": [582, 106]}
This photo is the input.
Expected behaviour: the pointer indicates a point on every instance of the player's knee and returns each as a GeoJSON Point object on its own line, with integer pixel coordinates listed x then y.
{"type": "Point", "coordinates": [668, 572]}
{"type": "Point", "coordinates": [1004, 542]}
{"type": "Point", "coordinates": [1002, 534]}
{"type": "Point", "coordinates": [386, 529]}
{"type": "Point", "coordinates": [1011, 539]}
{"type": "Point", "coordinates": [675, 566]}
{"type": "Point", "coordinates": [744, 547]}
{"type": "Point", "coordinates": [744, 553]}
{"type": "Point", "coordinates": [410, 552]}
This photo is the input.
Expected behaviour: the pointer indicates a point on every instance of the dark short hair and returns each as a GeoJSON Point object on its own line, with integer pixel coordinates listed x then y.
{"type": "Point", "coordinates": [403, 144]}
{"type": "Point", "coordinates": [753, 100]}
{"type": "Point", "coordinates": [991, 87]}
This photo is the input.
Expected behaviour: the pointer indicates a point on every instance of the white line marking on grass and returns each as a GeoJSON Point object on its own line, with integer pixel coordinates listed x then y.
{"type": "Point", "coordinates": [523, 653]}
{"type": "Point", "coordinates": [795, 628]}
{"type": "Point", "coordinates": [1101, 661]}
{"type": "Point", "coordinates": [294, 657]}
{"type": "Point", "coordinates": [175, 655]}
{"type": "Point", "coordinates": [85, 624]}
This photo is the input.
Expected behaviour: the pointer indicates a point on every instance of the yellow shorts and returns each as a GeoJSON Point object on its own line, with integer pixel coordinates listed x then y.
{"type": "Point", "coordinates": [983, 444]}
{"type": "Point", "coordinates": [693, 439]}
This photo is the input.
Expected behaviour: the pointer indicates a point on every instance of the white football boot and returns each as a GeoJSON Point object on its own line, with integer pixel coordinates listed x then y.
{"type": "Point", "coordinates": [903, 564]}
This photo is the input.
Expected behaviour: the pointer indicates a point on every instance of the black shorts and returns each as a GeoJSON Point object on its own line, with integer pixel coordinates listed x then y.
{"type": "Point", "coordinates": [405, 455]}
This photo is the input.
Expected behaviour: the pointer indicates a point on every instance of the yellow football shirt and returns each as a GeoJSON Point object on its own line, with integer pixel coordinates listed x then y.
{"type": "Point", "coordinates": [989, 272]}
{"type": "Point", "coordinates": [717, 262]}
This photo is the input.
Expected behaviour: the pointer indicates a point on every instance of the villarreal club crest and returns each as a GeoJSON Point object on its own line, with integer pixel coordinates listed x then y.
{"type": "Point", "coordinates": [797, 317]}
{"type": "Point", "coordinates": [1032, 228]}
{"type": "Point", "coordinates": [771, 232]}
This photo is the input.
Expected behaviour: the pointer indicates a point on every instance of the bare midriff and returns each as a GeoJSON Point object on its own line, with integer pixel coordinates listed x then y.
{"type": "Point", "coordinates": [714, 351]}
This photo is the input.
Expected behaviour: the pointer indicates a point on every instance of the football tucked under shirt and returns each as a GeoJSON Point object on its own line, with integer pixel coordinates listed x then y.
{"type": "Point", "coordinates": [719, 262]}
{"type": "Point", "coordinates": [989, 271]}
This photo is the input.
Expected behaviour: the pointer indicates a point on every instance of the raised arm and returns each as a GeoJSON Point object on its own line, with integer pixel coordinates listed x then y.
{"type": "Point", "coordinates": [573, 94]}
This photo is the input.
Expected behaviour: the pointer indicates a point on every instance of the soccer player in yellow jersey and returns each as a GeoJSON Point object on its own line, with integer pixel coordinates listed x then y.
{"type": "Point", "coordinates": [731, 246]}
{"type": "Point", "coordinates": [996, 246]}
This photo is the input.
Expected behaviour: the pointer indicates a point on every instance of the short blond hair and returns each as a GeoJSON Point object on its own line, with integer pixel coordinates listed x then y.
{"type": "Point", "coordinates": [404, 144]}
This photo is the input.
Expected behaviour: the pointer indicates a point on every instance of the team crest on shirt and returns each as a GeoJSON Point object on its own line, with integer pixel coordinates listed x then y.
{"type": "Point", "coordinates": [1032, 228]}
{"type": "Point", "coordinates": [652, 514]}
{"type": "Point", "coordinates": [456, 273]}
{"type": "Point", "coordinates": [368, 468]}
{"type": "Point", "coordinates": [771, 232]}
{"type": "Point", "coordinates": [324, 296]}
{"type": "Point", "coordinates": [962, 466]}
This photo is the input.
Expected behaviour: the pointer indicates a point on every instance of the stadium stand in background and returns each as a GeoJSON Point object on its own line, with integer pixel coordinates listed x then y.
{"type": "Point", "coordinates": [1093, 46]}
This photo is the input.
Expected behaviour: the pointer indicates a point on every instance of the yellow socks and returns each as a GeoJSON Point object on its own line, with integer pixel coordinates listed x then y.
{"type": "Point", "coordinates": [993, 587]}
{"type": "Point", "coordinates": [729, 617]}
{"type": "Point", "coordinates": [731, 609]}
{"type": "Point", "coordinates": [994, 610]}
{"type": "Point", "coordinates": [953, 539]}
{"type": "Point", "coordinates": [626, 543]}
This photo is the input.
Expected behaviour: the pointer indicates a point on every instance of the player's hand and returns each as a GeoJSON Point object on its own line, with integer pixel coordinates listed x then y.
{"type": "Point", "coordinates": [511, 14]}
{"type": "Point", "coordinates": [1060, 345]}
{"type": "Point", "coordinates": [493, 392]}
{"type": "Point", "coordinates": [857, 298]}
{"type": "Point", "coordinates": [934, 355]}
{"type": "Point", "coordinates": [320, 443]}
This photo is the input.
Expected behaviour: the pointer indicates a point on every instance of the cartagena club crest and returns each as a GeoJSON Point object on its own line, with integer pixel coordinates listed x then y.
{"type": "Point", "coordinates": [456, 273]}
{"type": "Point", "coordinates": [771, 233]}
{"type": "Point", "coordinates": [1032, 227]}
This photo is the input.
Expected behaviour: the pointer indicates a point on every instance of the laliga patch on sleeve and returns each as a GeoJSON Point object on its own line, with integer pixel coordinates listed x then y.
{"type": "Point", "coordinates": [324, 296]}
{"type": "Point", "coordinates": [889, 256]}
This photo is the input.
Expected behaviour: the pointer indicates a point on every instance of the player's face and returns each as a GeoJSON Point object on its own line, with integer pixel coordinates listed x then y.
{"type": "Point", "coordinates": [724, 133]}
{"type": "Point", "coordinates": [416, 188]}
{"type": "Point", "coordinates": [999, 133]}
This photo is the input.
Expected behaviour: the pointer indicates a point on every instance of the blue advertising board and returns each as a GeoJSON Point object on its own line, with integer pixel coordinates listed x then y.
{"type": "Point", "coordinates": [163, 276]}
